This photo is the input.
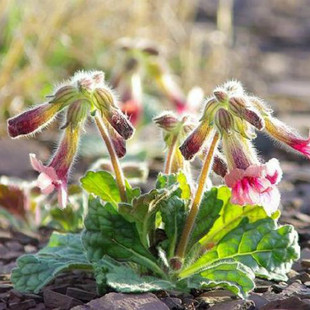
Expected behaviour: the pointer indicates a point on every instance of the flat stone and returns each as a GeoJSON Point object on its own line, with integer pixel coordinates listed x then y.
{"type": "Point", "coordinates": [118, 301]}
{"type": "Point", "coordinates": [24, 305]}
{"type": "Point", "coordinates": [80, 294]}
{"type": "Point", "coordinates": [289, 303]}
{"type": "Point", "coordinates": [234, 305]}
{"type": "Point", "coordinates": [62, 302]}
{"type": "Point", "coordinates": [173, 303]}
{"type": "Point", "coordinates": [258, 300]}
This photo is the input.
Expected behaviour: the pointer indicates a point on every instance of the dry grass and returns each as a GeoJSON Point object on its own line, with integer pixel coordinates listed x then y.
{"type": "Point", "coordinates": [46, 41]}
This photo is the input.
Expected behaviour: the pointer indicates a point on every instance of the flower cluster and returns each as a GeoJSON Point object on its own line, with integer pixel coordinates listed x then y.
{"type": "Point", "coordinates": [175, 129]}
{"type": "Point", "coordinates": [235, 115]}
{"type": "Point", "coordinates": [85, 93]}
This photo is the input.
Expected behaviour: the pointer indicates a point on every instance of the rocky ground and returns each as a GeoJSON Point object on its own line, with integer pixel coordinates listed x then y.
{"type": "Point", "coordinates": [78, 290]}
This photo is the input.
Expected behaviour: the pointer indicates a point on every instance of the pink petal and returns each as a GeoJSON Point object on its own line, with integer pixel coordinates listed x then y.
{"type": "Point", "coordinates": [273, 171]}
{"type": "Point", "coordinates": [270, 200]}
{"type": "Point", "coordinates": [38, 166]}
{"type": "Point", "coordinates": [62, 196]}
{"type": "Point", "coordinates": [35, 163]}
{"type": "Point", "coordinates": [233, 177]}
{"type": "Point", "coordinates": [45, 183]}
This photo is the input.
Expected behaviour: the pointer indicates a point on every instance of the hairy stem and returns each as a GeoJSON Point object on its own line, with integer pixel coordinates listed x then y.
{"type": "Point", "coordinates": [119, 176]}
{"type": "Point", "coordinates": [170, 154]}
{"type": "Point", "coordinates": [190, 221]}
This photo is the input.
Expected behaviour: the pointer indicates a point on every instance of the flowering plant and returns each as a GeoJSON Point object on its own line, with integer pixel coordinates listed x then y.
{"type": "Point", "coordinates": [182, 234]}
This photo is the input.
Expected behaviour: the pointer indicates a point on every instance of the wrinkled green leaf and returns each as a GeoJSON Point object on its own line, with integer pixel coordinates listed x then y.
{"type": "Point", "coordinates": [173, 213]}
{"type": "Point", "coordinates": [230, 217]}
{"type": "Point", "coordinates": [267, 249]}
{"type": "Point", "coordinates": [209, 212]}
{"type": "Point", "coordinates": [63, 252]}
{"type": "Point", "coordinates": [108, 233]}
{"type": "Point", "coordinates": [124, 279]}
{"type": "Point", "coordinates": [103, 185]}
{"type": "Point", "coordinates": [231, 275]}
{"type": "Point", "coordinates": [143, 211]}
{"type": "Point", "coordinates": [164, 181]}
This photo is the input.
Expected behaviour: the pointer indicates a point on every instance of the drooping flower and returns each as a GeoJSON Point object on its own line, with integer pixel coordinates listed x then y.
{"type": "Point", "coordinates": [174, 130]}
{"type": "Point", "coordinates": [235, 116]}
{"type": "Point", "coordinates": [251, 181]}
{"type": "Point", "coordinates": [38, 117]}
{"type": "Point", "coordinates": [84, 92]}
{"type": "Point", "coordinates": [55, 174]}
{"type": "Point", "coordinates": [279, 131]}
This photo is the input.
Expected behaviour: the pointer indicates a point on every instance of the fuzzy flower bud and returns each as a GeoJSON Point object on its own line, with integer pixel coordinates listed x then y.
{"type": "Point", "coordinates": [210, 109]}
{"type": "Point", "coordinates": [118, 141]}
{"type": "Point", "coordinates": [167, 121]}
{"type": "Point", "coordinates": [175, 130]}
{"type": "Point", "coordinates": [240, 108]}
{"type": "Point", "coordinates": [77, 113]}
{"type": "Point", "coordinates": [224, 121]}
{"type": "Point", "coordinates": [63, 95]}
{"type": "Point", "coordinates": [105, 102]}
{"type": "Point", "coordinates": [220, 95]}
{"type": "Point", "coordinates": [195, 141]}
{"type": "Point", "coordinates": [33, 120]}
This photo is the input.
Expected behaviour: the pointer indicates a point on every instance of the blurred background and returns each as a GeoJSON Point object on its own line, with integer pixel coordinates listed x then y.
{"type": "Point", "coordinates": [192, 46]}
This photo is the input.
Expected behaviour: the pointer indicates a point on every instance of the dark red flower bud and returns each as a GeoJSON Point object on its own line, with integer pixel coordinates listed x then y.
{"type": "Point", "coordinates": [32, 120]}
{"type": "Point", "coordinates": [194, 141]}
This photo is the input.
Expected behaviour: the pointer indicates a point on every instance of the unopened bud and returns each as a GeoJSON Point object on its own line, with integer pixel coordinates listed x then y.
{"type": "Point", "coordinates": [219, 166]}
{"type": "Point", "coordinates": [167, 121]}
{"type": "Point", "coordinates": [240, 107]}
{"type": "Point", "coordinates": [237, 105]}
{"type": "Point", "coordinates": [63, 95]}
{"type": "Point", "coordinates": [118, 141]}
{"type": "Point", "coordinates": [224, 121]}
{"type": "Point", "coordinates": [209, 110]}
{"type": "Point", "coordinates": [220, 95]}
{"type": "Point", "coordinates": [85, 85]}
{"type": "Point", "coordinates": [103, 99]}
{"type": "Point", "coordinates": [119, 122]}
{"type": "Point", "coordinates": [98, 77]}
{"type": "Point", "coordinates": [194, 141]}
{"type": "Point", "coordinates": [77, 113]}
{"type": "Point", "coordinates": [254, 118]}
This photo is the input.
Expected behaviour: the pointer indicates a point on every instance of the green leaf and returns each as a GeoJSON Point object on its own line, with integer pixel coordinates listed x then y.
{"type": "Point", "coordinates": [164, 181]}
{"type": "Point", "coordinates": [231, 275]}
{"type": "Point", "coordinates": [132, 192]}
{"type": "Point", "coordinates": [103, 185]}
{"type": "Point", "coordinates": [267, 249]}
{"type": "Point", "coordinates": [230, 217]}
{"type": "Point", "coordinates": [143, 211]}
{"type": "Point", "coordinates": [173, 213]}
{"type": "Point", "coordinates": [63, 252]}
{"type": "Point", "coordinates": [209, 212]}
{"type": "Point", "coordinates": [124, 279]}
{"type": "Point", "coordinates": [109, 233]}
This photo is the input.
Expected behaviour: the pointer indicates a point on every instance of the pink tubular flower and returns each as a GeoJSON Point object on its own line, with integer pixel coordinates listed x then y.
{"type": "Point", "coordinates": [281, 132]}
{"type": "Point", "coordinates": [256, 185]}
{"type": "Point", "coordinates": [55, 175]}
